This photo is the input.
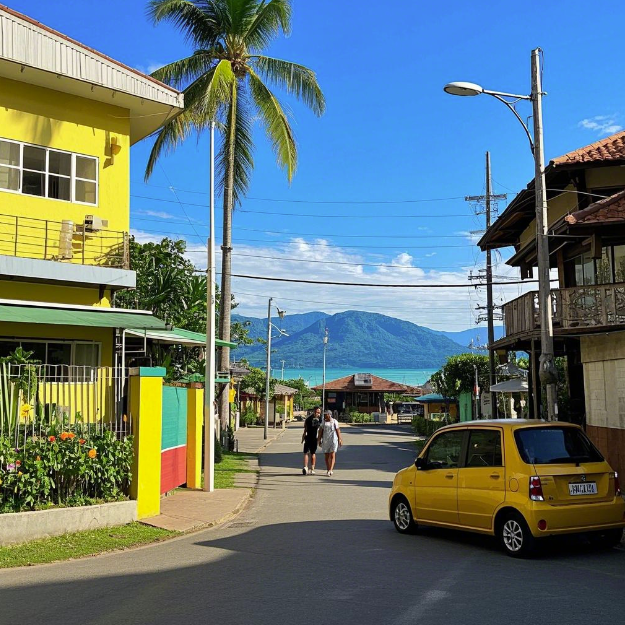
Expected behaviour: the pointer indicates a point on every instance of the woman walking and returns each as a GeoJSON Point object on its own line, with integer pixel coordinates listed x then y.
{"type": "Point", "coordinates": [330, 440]}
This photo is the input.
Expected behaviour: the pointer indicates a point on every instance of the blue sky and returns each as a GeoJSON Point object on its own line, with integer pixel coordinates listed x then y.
{"type": "Point", "coordinates": [390, 134]}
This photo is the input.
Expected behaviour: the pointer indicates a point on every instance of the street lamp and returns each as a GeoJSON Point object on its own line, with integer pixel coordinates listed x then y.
{"type": "Point", "coordinates": [209, 377]}
{"type": "Point", "coordinates": [547, 370]}
{"type": "Point", "coordinates": [323, 388]}
{"type": "Point", "coordinates": [270, 325]}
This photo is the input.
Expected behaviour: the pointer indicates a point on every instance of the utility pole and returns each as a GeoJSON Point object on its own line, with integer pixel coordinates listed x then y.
{"type": "Point", "coordinates": [547, 369]}
{"type": "Point", "coordinates": [323, 391]}
{"type": "Point", "coordinates": [283, 361]}
{"type": "Point", "coordinates": [476, 392]}
{"type": "Point", "coordinates": [268, 378]}
{"type": "Point", "coordinates": [487, 200]}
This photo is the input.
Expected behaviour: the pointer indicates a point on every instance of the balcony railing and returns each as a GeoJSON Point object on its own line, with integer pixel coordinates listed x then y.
{"type": "Point", "coordinates": [573, 308]}
{"type": "Point", "coordinates": [63, 241]}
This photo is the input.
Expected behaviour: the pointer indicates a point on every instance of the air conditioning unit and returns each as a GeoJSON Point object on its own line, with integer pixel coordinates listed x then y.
{"type": "Point", "coordinates": [95, 224]}
{"type": "Point", "coordinates": [363, 379]}
{"type": "Point", "coordinates": [66, 235]}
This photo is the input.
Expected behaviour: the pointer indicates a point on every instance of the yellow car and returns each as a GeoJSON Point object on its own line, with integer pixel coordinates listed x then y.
{"type": "Point", "coordinates": [518, 479]}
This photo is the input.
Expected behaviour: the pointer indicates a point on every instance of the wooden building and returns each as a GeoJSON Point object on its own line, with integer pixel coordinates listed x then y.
{"type": "Point", "coordinates": [360, 392]}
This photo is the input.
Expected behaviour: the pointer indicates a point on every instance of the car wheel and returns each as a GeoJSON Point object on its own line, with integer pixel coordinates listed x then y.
{"type": "Point", "coordinates": [515, 536]}
{"type": "Point", "coordinates": [607, 539]}
{"type": "Point", "coordinates": [402, 517]}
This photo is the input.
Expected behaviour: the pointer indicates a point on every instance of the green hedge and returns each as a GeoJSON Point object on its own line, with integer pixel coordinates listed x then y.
{"type": "Point", "coordinates": [71, 466]}
{"type": "Point", "coordinates": [359, 417]}
{"type": "Point", "coordinates": [426, 427]}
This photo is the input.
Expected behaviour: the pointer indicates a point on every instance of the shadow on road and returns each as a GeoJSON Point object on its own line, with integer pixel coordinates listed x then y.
{"type": "Point", "coordinates": [348, 572]}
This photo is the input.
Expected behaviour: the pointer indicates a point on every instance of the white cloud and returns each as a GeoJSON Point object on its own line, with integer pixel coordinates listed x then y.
{"type": "Point", "coordinates": [601, 124]}
{"type": "Point", "coordinates": [430, 255]}
{"type": "Point", "coordinates": [319, 260]}
{"type": "Point", "coordinates": [473, 237]}
{"type": "Point", "coordinates": [159, 214]}
{"type": "Point", "coordinates": [151, 66]}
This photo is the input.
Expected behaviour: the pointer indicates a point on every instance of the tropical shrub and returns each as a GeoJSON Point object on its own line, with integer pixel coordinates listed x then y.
{"type": "Point", "coordinates": [426, 427]}
{"type": "Point", "coordinates": [359, 417]}
{"type": "Point", "coordinates": [64, 466]}
{"type": "Point", "coordinates": [249, 417]}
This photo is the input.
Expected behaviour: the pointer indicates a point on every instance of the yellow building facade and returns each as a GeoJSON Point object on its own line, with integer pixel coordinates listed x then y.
{"type": "Point", "coordinates": [68, 117]}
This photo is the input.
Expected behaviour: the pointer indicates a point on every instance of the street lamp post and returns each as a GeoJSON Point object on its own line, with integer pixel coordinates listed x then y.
{"type": "Point", "coordinates": [209, 377]}
{"type": "Point", "coordinates": [548, 375]}
{"type": "Point", "coordinates": [323, 388]}
{"type": "Point", "coordinates": [281, 314]}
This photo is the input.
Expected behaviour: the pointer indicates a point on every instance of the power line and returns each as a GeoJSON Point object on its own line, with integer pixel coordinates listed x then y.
{"type": "Point", "coordinates": [312, 234]}
{"type": "Point", "coordinates": [367, 284]}
{"type": "Point", "coordinates": [326, 245]}
{"type": "Point", "coordinates": [293, 201]}
{"type": "Point", "coordinates": [336, 262]}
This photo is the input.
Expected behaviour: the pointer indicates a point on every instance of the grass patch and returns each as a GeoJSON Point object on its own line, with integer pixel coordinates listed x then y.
{"type": "Point", "coordinates": [80, 544]}
{"type": "Point", "coordinates": [232, 464]}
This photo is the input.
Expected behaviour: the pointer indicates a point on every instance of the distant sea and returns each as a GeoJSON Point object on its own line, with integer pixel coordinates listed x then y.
{"type": "Point", "coordinates": [413, 377]}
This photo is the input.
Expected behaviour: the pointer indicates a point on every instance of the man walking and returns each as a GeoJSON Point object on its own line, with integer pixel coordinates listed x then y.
{"type": "Point", "coordinates": [309, 438]}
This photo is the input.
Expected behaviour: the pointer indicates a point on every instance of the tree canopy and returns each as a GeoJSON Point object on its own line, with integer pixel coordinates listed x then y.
{"type": "Point", "coordinates": [458, 374]}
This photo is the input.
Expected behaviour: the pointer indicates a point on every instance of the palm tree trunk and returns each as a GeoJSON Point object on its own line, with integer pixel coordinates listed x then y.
{"type": "Point", "coordinates": [226, 256]}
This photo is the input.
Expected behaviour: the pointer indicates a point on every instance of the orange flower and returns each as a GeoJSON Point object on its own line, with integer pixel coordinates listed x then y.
{"type": "Point", "coordinates": [64, 436]}
{"type": "Point", "coordinates": [71, 435]}
{"type": "Point", "coordinates": [18, 462]}
{"type": "Point", "coordinates": [52, 438]}
{"type": "Point", "coordinates": [38, 458]}
{"type": "Point", "coordinates": [92, 453]}
{"type": "Point", "coordinates": [82, 441]}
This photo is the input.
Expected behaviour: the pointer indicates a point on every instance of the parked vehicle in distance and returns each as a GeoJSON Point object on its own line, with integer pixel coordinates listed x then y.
{"type": "Point", "coordinates": [518, 479]}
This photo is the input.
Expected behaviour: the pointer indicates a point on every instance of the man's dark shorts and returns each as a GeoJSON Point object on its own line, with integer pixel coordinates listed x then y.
{"type": "Point", "coordinates": [310, 445]}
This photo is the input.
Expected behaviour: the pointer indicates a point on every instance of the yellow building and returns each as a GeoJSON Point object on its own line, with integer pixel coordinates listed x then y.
{"type": "Point", "coordinates": [68, 117]}
{"type": "Point", "coordinates": [586, 219]}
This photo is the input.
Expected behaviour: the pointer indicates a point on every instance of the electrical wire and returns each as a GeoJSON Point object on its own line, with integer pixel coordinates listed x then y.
{"type": "Point", "coordinates": [367, 284]}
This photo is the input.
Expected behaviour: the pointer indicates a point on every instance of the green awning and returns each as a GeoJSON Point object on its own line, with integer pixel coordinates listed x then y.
{"type": "Point", "coordinates": [94, 318]}
{"type": "Point", "coordinates": [178, 336]}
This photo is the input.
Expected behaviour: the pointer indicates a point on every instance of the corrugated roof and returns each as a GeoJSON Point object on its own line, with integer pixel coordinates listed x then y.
{"type": "Point", "coordinates": [433, 398]}
{"type": "Point", "coordinates": [377, 385]}
{"type": "Point", "coordinates": [607, 210]}
{"type": "Point", "coordinates": [94, 317]}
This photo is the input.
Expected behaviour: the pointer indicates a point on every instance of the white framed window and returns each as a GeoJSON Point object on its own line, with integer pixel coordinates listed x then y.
{"type": "Point", "coordinates": [43, 172]}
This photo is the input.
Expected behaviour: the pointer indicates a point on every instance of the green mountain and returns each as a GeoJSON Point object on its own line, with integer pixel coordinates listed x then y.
{"type": "Point", "coordinates": [291, 324]}
{"type": "Point", "coordinates": [357, 339]}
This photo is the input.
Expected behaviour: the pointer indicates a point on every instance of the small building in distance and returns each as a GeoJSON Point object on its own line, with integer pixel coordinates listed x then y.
{"type": "Point", "coordinates": [360, 392]}
{"type": "Point", "coordinates": [437, 406]}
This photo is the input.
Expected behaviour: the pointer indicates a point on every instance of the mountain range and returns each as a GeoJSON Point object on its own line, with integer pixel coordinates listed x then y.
{"type": "Point", "coordinates": [356, 339]}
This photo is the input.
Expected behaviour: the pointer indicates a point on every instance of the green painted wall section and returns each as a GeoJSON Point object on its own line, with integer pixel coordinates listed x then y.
{"type": "Point", "coordinates": [174, 417]}
{"type": "Point", "coordinates": [465, 403]}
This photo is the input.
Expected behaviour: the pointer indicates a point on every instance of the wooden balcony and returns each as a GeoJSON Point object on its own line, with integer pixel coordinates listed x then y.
{"type": "Point", "coordinates": [63, 241]}
{"type": "Point", "coordinates": [585, 308]}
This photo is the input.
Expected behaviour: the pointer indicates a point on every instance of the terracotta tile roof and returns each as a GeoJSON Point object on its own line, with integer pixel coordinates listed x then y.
{"type": "Point", "coordinates": [378, 385]}
{"type": "Point", "coordinates": [607, 210]}
{"type": "Point", "coordinates": [611, 148]}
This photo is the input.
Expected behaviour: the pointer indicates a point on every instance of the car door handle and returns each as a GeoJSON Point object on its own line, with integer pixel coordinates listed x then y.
{"type": "Point", "coordinates": [449, 476]}
{"type": "Point", "coordinates": [495, 476]}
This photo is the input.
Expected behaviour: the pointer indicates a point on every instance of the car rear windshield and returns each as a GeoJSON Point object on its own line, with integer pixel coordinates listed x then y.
{"type": "Point", "coordinates": [553, 445]}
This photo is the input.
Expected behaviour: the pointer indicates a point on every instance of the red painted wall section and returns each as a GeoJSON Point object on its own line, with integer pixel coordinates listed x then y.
{"type": "Point", "coordinates": [173, 468]}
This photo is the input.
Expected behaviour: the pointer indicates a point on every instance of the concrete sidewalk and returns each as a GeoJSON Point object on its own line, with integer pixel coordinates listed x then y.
{"type": "Point", "coordinates": [186, 510]}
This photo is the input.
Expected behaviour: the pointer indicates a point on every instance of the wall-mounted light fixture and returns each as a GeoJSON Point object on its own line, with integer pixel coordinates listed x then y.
{"type": "Point", "coordinates": [115, 148]}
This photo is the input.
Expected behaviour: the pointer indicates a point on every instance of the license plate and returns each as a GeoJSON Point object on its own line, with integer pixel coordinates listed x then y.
{"type": "Point", "coordinates": [583, 488]}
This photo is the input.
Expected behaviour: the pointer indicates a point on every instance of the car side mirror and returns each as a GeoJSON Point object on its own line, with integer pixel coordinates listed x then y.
{"type": "Point", "coordinates": [420, 463]}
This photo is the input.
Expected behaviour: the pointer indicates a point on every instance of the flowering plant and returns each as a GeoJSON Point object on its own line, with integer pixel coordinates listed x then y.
{"type": "Point", "coordinates": [64, 467]}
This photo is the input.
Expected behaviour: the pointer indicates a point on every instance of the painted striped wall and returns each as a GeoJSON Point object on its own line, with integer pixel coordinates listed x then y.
{"type": "Point", "coordinates": [174, 438]}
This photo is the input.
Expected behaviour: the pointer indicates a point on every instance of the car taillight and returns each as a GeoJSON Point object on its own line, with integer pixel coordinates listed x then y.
{"type": "Point", "coordinates": [617, 485]}
{"type": "Point", "coordinates": [536, 489]}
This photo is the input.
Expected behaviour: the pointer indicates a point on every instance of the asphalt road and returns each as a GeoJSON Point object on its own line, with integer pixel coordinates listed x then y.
{"type": "Point", "coordinates": [318, 549]}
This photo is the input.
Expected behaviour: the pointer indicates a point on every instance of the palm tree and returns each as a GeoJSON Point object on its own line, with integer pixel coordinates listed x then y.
{"type": "Point", "coordinates": [225, 80]}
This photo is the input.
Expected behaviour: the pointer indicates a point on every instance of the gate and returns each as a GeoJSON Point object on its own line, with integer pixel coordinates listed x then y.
{"type": "Point", "coordinates": [174, 438]}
